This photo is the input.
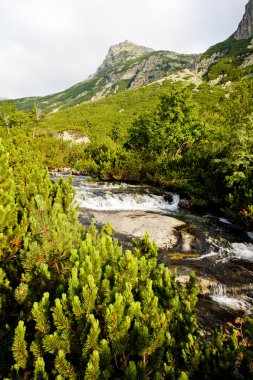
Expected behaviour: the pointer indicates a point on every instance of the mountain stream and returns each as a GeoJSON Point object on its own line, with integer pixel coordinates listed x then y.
{"type": "Point", "coordinates": [220, 253]}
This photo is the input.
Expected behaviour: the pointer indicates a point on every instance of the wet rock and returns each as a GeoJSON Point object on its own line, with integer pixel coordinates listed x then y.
{"type": "Point", "coordinates": [188, 241]}
{"type": "Point", "coordinates": [66, 170]}
{"type": "Point", "coordinates": [53, 172]}
{"type": "Point", "coordinates": [185, 203]}
{"type": "Point", "coordinates": [76, 172]}
{"type": "Point", "coordinates": [211, 315]}
{"type": "Point", "coordinates": [168, 198]}
{"type": "Point", "coordinates": [182, 255]}
{"type": "Point", "coordinates": [206, 285]}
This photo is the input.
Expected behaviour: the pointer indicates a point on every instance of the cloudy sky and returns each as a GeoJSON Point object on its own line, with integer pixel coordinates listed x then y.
{"type": "Point", "coordinates": [49, 45]}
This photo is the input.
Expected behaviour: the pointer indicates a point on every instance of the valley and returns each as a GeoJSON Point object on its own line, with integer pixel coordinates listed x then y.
{"type": "Point", "coordinates": [126, 219]}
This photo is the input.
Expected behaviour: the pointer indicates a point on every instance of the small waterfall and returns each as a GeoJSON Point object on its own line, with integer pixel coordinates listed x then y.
{"type": "Point", "coordinates": [218, 293]}
{"type": "Point", "coordinates": [123, 197]}
{"type": "Point", "coordinates": [243, 251]}
{"type": "Point", "coordinates": [222, 251]}
{"type": "Point", "coordinates": [218, 290]}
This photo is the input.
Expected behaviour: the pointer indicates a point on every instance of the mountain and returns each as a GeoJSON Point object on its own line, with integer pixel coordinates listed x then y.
{"type": "Point", "coordinates": [123, 51]}
{"type": "Point", "coordinates": [129, 66]}
{"type": "Point", "coordinates": [231, 59]}
{"type": "Point", "coordinates": [245, 28]}
{"type": "Point", "coordinates": [126, 66]}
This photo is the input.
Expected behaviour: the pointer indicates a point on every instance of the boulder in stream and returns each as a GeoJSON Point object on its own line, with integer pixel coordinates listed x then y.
{"type": "Point", "coordinates": [161, 228]}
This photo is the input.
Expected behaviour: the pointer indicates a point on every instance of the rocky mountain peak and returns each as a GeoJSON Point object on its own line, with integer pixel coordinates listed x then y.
{"type": "Point", "coordinates": [245, 28]}
{"type": "Point", "coordinates": [122, 52]}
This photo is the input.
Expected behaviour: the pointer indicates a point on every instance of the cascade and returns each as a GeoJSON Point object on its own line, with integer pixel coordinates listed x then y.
{"type": "Point", "coordinates": [119, 197]}
{"type": "Point", "coordinates": [228, 255]}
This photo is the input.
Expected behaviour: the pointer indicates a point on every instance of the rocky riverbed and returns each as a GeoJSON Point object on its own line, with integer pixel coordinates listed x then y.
{"type": "Point", "coordinates": [220, 253]}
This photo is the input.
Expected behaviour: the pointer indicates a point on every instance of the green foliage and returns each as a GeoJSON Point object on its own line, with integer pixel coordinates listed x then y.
{"type": "Point", "coordinates": [39, 371]}
{"type": "Point", "coordinates": [193, 140]}
{"type": "Point", "coordinates": [234, 161]}
{"type": "Point", "coordinates": [36, 117]}
{"type": "Point", "coordinates": [171, 129]}
{"type": "Point", "coordinates": [73, 304]}
{"type": "Point", "coordinates": [7, 111]}
{"type": "Point", "coordinates": [83, 308]}
{"type": "Point", "coordinates": [19, 347]}
{"type": "Point", "coordinates": [8, 210]}
{"type": "Point", "coordinates": [97, 305]}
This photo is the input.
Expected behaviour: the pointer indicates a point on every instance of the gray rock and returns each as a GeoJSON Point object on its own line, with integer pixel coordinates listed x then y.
{"type": "Point", "coordinates": [73, 137]}
{"type": "Point", "coordinates": [185, 203]}
{"type": "Point", "coordinates": [245, 28]}
{"type": "Point", "coordinates": [124, 51]}
{"type": "Point", "coordinates": [248, 61]}
{"type": "Point", "coordinates": [202, 64]}
{"type": "Point", "coordinates": [161, 228]}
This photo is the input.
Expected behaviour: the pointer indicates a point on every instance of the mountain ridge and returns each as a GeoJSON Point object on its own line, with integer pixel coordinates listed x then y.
{"type": "Point", "coordinates": [126, 66]}
{"type": "Point", "coordinates": [245, 27]}
{"type": "Point", "coordinates": [125, 50]}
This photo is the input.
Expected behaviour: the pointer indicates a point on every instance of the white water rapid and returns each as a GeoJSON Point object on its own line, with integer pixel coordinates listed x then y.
{"type": "Point", "coordinates": [123, 197]}
{"type": "Point", "coordinates": [218, 293]}
{"type": "Point", "coordinates": [227, 257]}
{"type": "Point", "coordinates": [223, 251]}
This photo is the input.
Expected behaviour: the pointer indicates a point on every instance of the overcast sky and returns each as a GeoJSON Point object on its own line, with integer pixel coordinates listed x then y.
{"type": "Point", "coordinates": [48, 45]}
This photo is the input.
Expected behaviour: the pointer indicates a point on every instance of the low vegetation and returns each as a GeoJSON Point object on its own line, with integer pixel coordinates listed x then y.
{"type": "Point", "coordinates": [73, 305]}
{"type": "Point", "coordinates": [194, 140]}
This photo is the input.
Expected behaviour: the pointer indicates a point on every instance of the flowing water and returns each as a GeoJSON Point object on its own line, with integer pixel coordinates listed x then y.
{"type": "Point", "coordinates": [223, 257]}
{"type": "Point", "coordinates": [122, 197]}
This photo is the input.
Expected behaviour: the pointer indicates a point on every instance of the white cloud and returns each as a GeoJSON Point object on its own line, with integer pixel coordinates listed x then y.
{"type": "Point", "coordinates": [49, 45]}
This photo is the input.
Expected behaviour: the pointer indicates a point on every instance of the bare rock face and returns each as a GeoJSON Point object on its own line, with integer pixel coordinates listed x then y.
{"type": "Point", "coordinates": [248, 61]}
{"type": "Point", "coordinates": [245, 28]}
{"type": "Point", "coordinates": [138, 66]}
{"type": "Point", "coordinates": [202, 65]}
{"type": "Point", "coordinates": [73, 137]}
{"type": "Point", "coordinates": [124, 51]}
{"type": "Point", "coordinates": [142, 71]}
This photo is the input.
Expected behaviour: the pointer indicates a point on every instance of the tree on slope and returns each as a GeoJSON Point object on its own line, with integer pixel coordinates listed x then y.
{"type": "Point", "coordinates": [172, 128]}
{"type": "Point", "coordinates": [7, 109]}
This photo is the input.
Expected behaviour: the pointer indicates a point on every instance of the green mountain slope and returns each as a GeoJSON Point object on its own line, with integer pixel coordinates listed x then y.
{"type": "Point", "coordinates": [226, 61]}
{"type": "Point", "coordinates": [231, 59]}
{"type": "Point", "coordinates": [126, 66]}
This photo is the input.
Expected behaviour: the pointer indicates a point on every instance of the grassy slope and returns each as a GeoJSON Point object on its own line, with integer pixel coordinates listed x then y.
{"type": "Point", "coordinates": [97, 118]}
